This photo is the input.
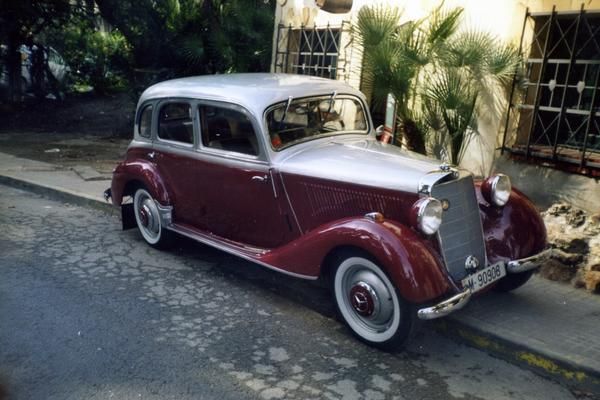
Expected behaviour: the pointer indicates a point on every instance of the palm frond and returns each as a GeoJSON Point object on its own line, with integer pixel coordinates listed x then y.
{"type": "Point", "coordinates": [191, 50]}
{"type": "Point", "coordinates": [503, 62]}
{"type": "Point", "coordinates": [450, 102]}
{"type": "Point", "coordinates": [412, 42]}
{"type": "Point", "coordinates": [443, 24]}
{"type": "Point", "coordinates": [468, 49]}
{"type": "Point", "coordinates": [376, 24]}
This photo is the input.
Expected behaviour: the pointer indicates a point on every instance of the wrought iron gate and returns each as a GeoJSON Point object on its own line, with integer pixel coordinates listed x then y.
{"type": "Point", "coordinates": [554, 112]}
{"type": "Point", "coordinates": [318, 51]}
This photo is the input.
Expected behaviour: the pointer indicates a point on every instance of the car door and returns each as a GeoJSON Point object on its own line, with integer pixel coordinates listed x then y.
{"type": "Point", "coordinates": [235, 188]}
{"type": "Point", "coordinates": [173, 153]}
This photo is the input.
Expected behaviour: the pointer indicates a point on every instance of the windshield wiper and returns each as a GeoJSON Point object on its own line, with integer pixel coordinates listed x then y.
{"type": "Point", "coordinates": [331, 100]}
{"type": "Point", "coordinates": [287, 107]}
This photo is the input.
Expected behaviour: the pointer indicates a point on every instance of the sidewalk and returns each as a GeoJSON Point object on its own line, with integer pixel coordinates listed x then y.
{"type": "Point", "coordinates": [548, 327]}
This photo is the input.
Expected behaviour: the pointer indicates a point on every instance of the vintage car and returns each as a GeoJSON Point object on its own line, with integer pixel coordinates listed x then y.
{"type": "Point", "coordinates": [285, 171]}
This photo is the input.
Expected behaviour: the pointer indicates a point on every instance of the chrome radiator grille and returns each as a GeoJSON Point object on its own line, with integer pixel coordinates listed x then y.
{"type": "Point", "coordinates": [460, 234]}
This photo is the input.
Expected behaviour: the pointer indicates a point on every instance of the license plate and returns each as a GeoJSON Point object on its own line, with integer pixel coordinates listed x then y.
{"type": "Point", "coordinates": [485, 277]}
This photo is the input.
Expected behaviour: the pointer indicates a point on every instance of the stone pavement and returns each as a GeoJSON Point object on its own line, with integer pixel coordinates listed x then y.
{"type": "Point", "coordinates": [545, 326]}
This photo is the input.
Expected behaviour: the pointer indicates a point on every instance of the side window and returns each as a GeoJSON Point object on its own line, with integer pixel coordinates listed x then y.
{"type": "Point", "coordinates": [175, 123]}
{"type": "Point", "coordinates": [227, 129]}
{"type": "Point", "coordinates": [145, 122]}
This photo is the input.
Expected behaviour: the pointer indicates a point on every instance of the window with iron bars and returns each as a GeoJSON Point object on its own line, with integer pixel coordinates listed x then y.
{"type": "Point", "coordinates": [310, 51]}
{"type": "Point", "coordinates": [555, 117]}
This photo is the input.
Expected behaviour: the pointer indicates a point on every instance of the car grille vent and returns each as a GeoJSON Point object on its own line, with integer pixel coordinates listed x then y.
{"type": "Point", "coordinates": [460, 234]}
{"type": "Point", "coordinates": [327, 203]}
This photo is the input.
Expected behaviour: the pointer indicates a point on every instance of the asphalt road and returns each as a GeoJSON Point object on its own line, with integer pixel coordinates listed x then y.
{"type": "Point", "coordinates": [88, 311]}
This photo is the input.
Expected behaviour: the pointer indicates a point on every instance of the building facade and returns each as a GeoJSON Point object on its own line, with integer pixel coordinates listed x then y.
{"type": "Point", "coordinates": [546, 133]}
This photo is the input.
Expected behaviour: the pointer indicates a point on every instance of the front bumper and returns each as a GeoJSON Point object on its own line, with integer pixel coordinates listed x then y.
{"type": "Point", "coordinates": [459, 300]}
{"type": "Point", "coordinates": [528, 263]}
{"type": "Point", "coordinates": [445, 307]}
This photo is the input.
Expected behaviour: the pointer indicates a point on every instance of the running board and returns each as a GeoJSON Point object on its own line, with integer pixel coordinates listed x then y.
{"type": "Point", "coordinates": [247, 253]}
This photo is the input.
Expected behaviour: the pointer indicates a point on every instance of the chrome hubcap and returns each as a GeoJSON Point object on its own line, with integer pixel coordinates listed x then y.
{"type": "Point", "coordinates": [147, 216]}
{"type": "Point", "coordinates": [363, 299]}
{"type": "Point", "coordinates": [144, 212]}
{"type": "Point", "coordinates": [369, 298]}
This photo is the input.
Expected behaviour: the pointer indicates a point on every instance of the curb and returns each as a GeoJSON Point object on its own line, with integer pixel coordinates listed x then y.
{"type": "Point", "coordinates": [577, 377]}
{"type": "Point", "coordinates": [79, 199]}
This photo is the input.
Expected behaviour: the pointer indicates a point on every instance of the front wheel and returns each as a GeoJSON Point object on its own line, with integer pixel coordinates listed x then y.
{"type": "Point", "coordinates": [370, 304]}
{"type": "Point", "coordinates": [148, 219]}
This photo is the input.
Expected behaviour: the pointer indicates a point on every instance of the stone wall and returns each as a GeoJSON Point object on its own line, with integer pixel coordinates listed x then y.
{"type": "Point", "coordinates": [575, 236]}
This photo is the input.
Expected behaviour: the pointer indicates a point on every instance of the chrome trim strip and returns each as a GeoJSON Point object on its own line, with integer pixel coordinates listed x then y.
{"type": "Point", "coordinates": [287, 196]}
{"type": "Point", "coordinates": [529, 263]}
{"type": "Point", "coordinates": [228, 249]}
{"type": "Point", "coordinates": [446, 307]}
{"type": "Point", "coordinates": [430, 179]}
{"type": "Point", "coordinates": [271, 175]}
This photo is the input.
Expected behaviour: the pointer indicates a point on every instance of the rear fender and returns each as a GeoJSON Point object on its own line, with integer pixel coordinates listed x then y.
{"type": "Point", "coordinates": [138, 172]}
{"type": "Point", "coordinates": [411, 263]}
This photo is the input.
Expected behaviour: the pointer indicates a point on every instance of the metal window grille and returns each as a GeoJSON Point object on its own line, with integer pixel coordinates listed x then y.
{"type": "Point", "coordinates": [313, 51]}
{"type": "Point", "coordinates": [554, 112]}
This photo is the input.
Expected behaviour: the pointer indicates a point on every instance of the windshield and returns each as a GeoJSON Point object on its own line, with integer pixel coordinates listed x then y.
{"type": "Point", "coordinates": [315, 117]}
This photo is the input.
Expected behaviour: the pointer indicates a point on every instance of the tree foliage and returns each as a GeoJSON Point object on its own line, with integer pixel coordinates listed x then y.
{"type": "Point", "coordinates": [195, 36]}
{"type": "Point", "coordinates": [20, 19]}
{"type": "Point", "coordinates": [438, 73]}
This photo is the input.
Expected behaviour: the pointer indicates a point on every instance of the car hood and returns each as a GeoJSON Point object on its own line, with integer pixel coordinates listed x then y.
{"type": "Point", "coordinates": [365, 162]}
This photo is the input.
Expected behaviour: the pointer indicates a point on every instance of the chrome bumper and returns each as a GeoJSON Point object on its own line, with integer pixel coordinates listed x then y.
{"type": "Point", "coordinates": [526, 264]}
{"type": "Point", "coordinates": [445, 307]}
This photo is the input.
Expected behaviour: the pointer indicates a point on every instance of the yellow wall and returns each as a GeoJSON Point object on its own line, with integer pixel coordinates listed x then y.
{"type": "Point", "coordinates": [503, 18]}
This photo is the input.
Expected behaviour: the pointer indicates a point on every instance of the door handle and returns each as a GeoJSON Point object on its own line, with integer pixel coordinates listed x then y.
{"type": "Point", "coordinates": [260, 178]}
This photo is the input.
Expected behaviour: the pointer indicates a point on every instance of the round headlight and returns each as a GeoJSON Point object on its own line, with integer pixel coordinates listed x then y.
{"type": "Point", "coordinates": [428, 215]}
{"type": "Point", "coordinates": [499, 189]}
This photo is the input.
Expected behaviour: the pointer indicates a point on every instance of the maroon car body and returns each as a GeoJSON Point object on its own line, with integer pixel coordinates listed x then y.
{"type": "Point", "coordinates": [251, 164]}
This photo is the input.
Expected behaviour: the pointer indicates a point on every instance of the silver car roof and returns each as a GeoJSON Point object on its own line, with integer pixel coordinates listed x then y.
{"type": "Point", "coordinates": [254, 91]}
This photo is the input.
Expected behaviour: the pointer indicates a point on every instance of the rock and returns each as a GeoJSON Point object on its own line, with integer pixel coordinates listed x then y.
{"type": "Point", "coordinates": [578, 280]}
{"type": "Point", "coordinates": [555, 270]}
{"type": "Point", "coordinates": [576, 218]}
{"type": "Point", "coordinates": [592, 281]}
{"type": "Point", "coordinates": [558, 209]}
{"type": "Point", "coordinates": [573, 245]}
{"type": "Point", "coordinates": [575, 236]}
{"type": "Point", "coordinates": [568, 257]}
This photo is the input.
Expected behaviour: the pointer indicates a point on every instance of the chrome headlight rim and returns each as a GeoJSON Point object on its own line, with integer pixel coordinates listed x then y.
{"type": "Point", "coordinates": [427, 204]}
{"type": "Point", "coordinates": [500, 196]}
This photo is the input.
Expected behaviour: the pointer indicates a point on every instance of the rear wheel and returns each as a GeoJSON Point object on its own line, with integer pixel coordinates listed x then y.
{"type": "Point", "coordinates": [148, 219]}
{"type": "Point", "coordinates": [369, 303]}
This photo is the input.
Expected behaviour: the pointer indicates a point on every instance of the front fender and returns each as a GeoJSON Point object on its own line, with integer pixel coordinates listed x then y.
{"type": "Point", "coordinates": [411, 263]}
{"type": "Point", "coordinates": [141, 171]}
{"type": "Point", "coordinates": [514, 231]}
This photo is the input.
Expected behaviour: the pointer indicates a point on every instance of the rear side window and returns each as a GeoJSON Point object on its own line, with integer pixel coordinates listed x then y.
{"type": "Point", "coordinates": [227, 129]}
{"type": "Point", "coordinates": [145, 122]}
{"type": "Point", "coordinates": [175, 123]}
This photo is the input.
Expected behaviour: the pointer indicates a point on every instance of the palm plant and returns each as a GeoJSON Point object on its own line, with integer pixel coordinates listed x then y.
{"type": "Point", "coordinates": [443, 79]}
